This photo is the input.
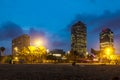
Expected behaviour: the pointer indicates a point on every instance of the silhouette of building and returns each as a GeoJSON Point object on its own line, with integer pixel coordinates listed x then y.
{"type": "Point", "coordinates": [56, 55]}
{"type": "Point", "coordinates": [19, 43]}
{"type": "Point", "coordinates": [57, 52]}
{"type": "Point", "coordinates": [106, 39]}
{"type": "Point", "coordinates": [78, 38]}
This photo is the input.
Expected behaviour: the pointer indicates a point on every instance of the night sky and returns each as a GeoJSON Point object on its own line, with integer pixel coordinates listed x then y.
{"type": "Point", "coordinates": [51, 20]}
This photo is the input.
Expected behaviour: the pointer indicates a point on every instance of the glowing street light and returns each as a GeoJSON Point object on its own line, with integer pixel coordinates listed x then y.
{"type": "Point", "coordinates": [48, 50]}
{"type": "Point", "coordinates": [38, 43]}
{"type": "Point", "coordinates": [16, 58]}
{"type": "Point", "coordinates": [16, 49]}
{"type": "Point", "coordinates": [108, 51]}
{"type": "Point", "coordinates": [68, 52]}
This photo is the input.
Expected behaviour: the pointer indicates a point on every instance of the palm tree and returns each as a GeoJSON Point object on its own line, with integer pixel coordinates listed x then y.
{"type": "Point", "coordinates": [2, 49]}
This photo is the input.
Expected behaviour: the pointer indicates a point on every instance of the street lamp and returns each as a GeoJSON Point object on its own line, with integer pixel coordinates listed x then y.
{"type": "Point", "coordinates": [48, 51]}
{"type": "Point", "coordinates": [16, 49]}
{"type": "Point", "coordinates": [108, 51]}
{"type": "Point", "coordinates": [38, 43]}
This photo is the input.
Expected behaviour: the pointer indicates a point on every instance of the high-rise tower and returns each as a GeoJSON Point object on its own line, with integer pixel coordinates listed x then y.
{"type": "Point", "coordinates": [78, 38]}
{"type": "Point", "coordinates": [106, 39]}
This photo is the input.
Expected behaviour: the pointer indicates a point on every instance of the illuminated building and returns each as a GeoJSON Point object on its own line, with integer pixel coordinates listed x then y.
{"type": "Point", "coordinates": [57, 52]}
{"type": "Point", "coordinates": [78, 38]}
{"type": "Point", "coordinates": [106, 39]}
{"type": "Point", "coordinates": [19, 43]}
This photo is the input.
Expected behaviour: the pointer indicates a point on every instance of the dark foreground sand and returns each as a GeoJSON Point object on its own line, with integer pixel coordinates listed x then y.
{"type": "Point", "coordinates": [58, 72]}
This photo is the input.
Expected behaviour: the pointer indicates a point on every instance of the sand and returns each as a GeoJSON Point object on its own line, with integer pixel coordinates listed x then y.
{"type": "Point", "coordinates": [58, 72]}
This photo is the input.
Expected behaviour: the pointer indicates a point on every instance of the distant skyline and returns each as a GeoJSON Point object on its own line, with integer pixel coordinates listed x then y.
{"type": "Point", "coordinates": [52, 19]}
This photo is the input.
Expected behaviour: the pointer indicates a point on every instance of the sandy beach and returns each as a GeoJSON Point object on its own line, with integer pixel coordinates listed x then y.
{"type": "Point", "coordinates": [58, 72]}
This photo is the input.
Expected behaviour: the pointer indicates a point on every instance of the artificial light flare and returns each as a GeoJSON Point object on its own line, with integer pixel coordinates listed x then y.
{"type": "Point", "coordinates": [109, 51]}
{"type": "Point", "coordinates": [39, 43]}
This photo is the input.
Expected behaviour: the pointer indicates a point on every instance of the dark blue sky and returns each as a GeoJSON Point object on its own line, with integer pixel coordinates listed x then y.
{"type": "Point", "coordinates": [52, 19]}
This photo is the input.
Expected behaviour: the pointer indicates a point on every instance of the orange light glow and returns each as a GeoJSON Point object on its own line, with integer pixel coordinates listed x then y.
{"type": "Point", "coordinates": [16, 49]}
{"type": "Point", "coordinates": [38, 42]}
{"type": "Point", "coordinates": [108, 51]}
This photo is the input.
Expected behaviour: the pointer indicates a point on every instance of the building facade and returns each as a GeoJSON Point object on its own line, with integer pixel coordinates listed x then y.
{"type": "Point", "coordinates": [106, 39]}
{"type": "Point", "coordinates": [19, 43]}
{"type": "Point", "coordinates": [57, 52]}
{"type": "Point", "coordinates": [78, 38]}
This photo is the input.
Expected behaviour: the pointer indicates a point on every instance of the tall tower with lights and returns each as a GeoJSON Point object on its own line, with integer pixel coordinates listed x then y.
{"type": "Point", "coordinates": [106, 39]}
{"type": "Point", "coordinates": [78, 38]}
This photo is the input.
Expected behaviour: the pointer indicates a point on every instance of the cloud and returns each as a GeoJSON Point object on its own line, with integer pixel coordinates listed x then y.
{"type": "Point", "coordinates": [60, 39]}
{"type": "Point", "coordinates": [10, 30]}
{"type": "Point", "coordinates": [38, 34]}
{"type": "Point", "coordinates": [97, 22]}
{"type": "Point", "coordinates": [109, 20]}
{"type": "Point", "coordinates": [117, 37]}
{"type": "Point", "coordinates": [87, 19]}
{"type": "Point", "coordinates": [58, 43]}
{"type": "Point", "coordinates": [34, 33]}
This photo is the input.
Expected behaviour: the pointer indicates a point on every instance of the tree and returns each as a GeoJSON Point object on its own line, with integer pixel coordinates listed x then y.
{"type": "Point", "coordinates": [41, 53]}
{"type": "Point", "coordinates": [2, 49]}
{"type": "Point", "coordinates": [33, 54]}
